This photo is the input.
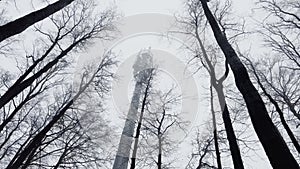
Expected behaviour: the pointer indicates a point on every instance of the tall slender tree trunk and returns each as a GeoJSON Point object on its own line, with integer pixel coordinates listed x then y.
{"type": "Point", "coordinates": [19, 25]}
{"type": "Point", "coordinates": [215, 131]}
{"type": "Point", "coordinates": [281, 116]}
{"type": "Point", "coordinates": [276, 149]}
{"type": "Point", "coordinates": [233, 145]}
{"type": "Point", "coordinates": [138, 129]}
{"type": "Point", "coordinates": [30, 157]}
{"type": "Point", "coordinates": [123, 153]}
{"type": "Point", "coordinates": [217, 84]}
{"type": "Point", "coordinates": [159, 157]}
{"type": "Point", "coordinates": [136, 141]}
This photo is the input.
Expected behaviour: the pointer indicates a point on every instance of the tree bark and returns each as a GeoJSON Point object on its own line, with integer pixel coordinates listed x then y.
{"type": "Point", "coordinates": [19, 25]}
{"type": "Point", "coordinates": [233, 145]}
{"type": "Point", "coordinates": [138, 129]}
{"type": "Point", "coordinates": [215, 130]}
{"type": "Point", "coordinates": [217, 84]}
{"type": "Point", "coordinates": [159, 160]}
{"type": "Point", "coordinates": [276, 149]}
{"type": "Point", "coordinates": [281, 116]}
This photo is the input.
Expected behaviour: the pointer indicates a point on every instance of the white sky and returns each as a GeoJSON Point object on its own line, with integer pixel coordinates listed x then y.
{"type": "Point", "coordinates": [130, 7]}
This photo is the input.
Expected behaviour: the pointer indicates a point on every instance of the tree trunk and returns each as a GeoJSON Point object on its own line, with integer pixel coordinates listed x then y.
{"type": "Point", "coordinates": [281, 116]}
{"type": "Point", "coordinates": [17, 88]}
{"type": "Point", "coordinates": [138, 129]}
{"type": "Point", "coordinates": [136, 141]}
{"type": "Point", "coordinates": [276, 149]}
{"type": "Point", "coordinates": [159, 161]}
{"type": "Point", "coordinates": [124, 149]}
{"type": "Point", "coordinates": [233, 145]}
{"type": "Point", "coordinates": [30, 157]}
{"type": "Point", "coordinates": [15, 111]}
{"type": "Point", "coordinates": [19, 25]}
{"type": "Point", "coordinates": [123, 153]}
{"type": "Point", "coordinates": [215, 130]}
{"type": "Point", "coordinates": [217, 84]}
{"type": "Point", "coordinates": [61, 158]}
{"type": "Point", "coordinates": [38, 138]}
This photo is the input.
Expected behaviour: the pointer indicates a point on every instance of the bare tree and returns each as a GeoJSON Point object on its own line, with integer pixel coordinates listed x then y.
{"type": "Point", "coordinates": [49, 80]}
{"type": "Point", "coordinates": [275, 104]}
{"type": "Point", "coordinates": [281, 29]}
{"type": "Point", "coordinates": [160, 120]}
{"type": "Point", "coordinates": [73, 33]}
{"type": "Point", "coordinates": [23, 108]}
{"type": "Point", "coordinates": [98, 78]}
{"type": "Point", "coordinates": [194, 25]}
{"type": "Point", "coordinates": [142, 73]}
{"type": "Point", "coordinates": [148, 85]}
{"type": "Point", "coordinates": [34, 134]}
{"type": "Point", "coordinates": [19, 25]}
{"type": "Point", "coordinates": [281, 32]}
{"type": "Point", "coordinates": [203, 151]}
{"type": "Point", "coordinates": [76, 141]}
{"type": "Point", "coordinates": [272, 141]}
{"type": "Point", "coordinates": [215, 131]}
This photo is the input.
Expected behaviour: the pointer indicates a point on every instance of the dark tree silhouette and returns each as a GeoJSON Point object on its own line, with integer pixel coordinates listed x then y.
{"type": "Point", "coordinates": [272, 141]}
{"type": "Point", "coordinates": [194, 23]}
{"type": "Point", "coordinates": [215, 130]}
{"type": "Point", "coordinates": [148, 85]}
{"type": "Point", "coordinates": [101, 75]}
{"type": "Point", "coordinates": [19, 25]}
{"type": "Point", "coordinates": [77, 28]}
{"type": "Point", "coordinates": [281, 29]}
{"type": "Point", "coordinates": [161, 118]}
{"type": "Point", "coordinates": [276, 105]}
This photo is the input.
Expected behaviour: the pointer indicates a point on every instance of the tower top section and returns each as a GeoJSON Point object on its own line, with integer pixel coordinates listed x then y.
{"type": "Point", "coordinates": [143, 61]}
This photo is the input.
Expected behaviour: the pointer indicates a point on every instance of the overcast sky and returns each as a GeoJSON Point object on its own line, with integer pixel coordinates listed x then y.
{"type": "Point", "coordinates": [133, 7]}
